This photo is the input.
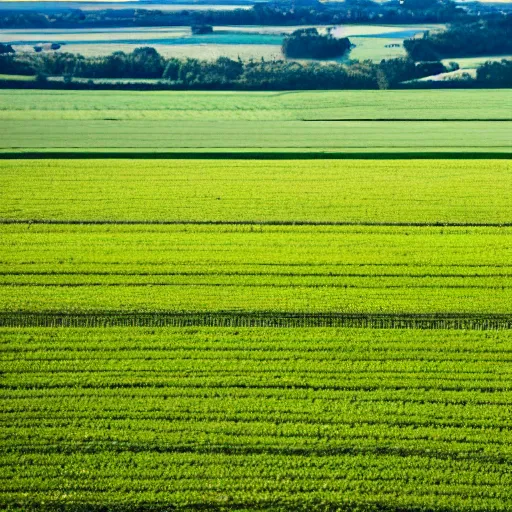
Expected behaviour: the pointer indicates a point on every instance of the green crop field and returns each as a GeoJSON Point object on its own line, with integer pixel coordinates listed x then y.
{"type": "Point", "coordinates": [265, 419]}
{"type": "Point", "coordinates": [19, 105]}
{"type": "Point", "coordinates": [329, 191]}
{"type": "Point", "coordinates": [308, 333]}
{"type": "Point", "coordinates": [226, 122]}
{"type": "Point", "coordinates": [307, 269]}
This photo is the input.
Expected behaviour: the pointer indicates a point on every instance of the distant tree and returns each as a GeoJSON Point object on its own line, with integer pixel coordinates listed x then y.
{"type": "Point", "coordinates": [172, 69]}
{"type": "Point", "coordinates": [308, 43]}
{"type": "Point", "coordinates": [201, 29]}
{"type": "Point", "coordinates": [116, 65]}
{"type": "Point", "coordinates": [229, 69]}
{"type": "Point", "coordinates": [394, 71]}
{"type": "Point", "coordinates": [41, 78]}
{"type": "Point", "coordinates": [429, 68]}
{"type": "Point", "coordinates": [421, 49]}
{"type": "Point", "coordinates": [490, 37]}
{"type": "Point", "coordinates": [146, 63]}
{"type": "Point", "coordinates": [497, 74]}
{"type": "Point", "coordinates": [6, 48]}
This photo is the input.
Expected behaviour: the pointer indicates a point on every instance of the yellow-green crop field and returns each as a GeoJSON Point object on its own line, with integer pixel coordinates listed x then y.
{"type": "Point", "coordinates": [315, 334]}
{"type": "Point", "coordinates": [423, 192]}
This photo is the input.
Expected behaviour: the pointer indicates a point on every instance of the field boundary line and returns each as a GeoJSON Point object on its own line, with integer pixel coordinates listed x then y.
{"type": "Point", "coordinates": [408, 119]}
{"type": "Point", "coordinates": [258, 319]}
{"type": "Point", "coordinates": [505, 154]}
{"type": "Point", "coordinates": [106, 222]}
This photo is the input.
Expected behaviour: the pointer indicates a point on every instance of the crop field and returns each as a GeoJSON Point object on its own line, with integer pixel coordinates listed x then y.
{"type": "Point", "coordinates": [263, 332]}
{"type": "Point", "coordinates": [266, 419]}
{"type": "Point", "coordinates": [424, 192]}
{"type": "Point", "coordinates": [86, 269]}
{"type": "Point", "coordinates": [226, 124]}
{"type": "Point", "coordinates": [121, 238]}
{"type": "Point", "coordinates": [449, 105]}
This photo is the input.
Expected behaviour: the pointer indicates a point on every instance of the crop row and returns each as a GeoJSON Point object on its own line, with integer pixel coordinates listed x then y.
{"type": "Point", "coordinates": [480, 321]}
{"type": "Point", "coordinates": [141, 418]}
{"type": "Point", "coordinates": [72, 269]}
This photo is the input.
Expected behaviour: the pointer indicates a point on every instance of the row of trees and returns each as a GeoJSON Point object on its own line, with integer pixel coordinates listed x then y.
{"type": "Point", "coordinates": [490, 37]}
{"type": "Point", "coordinates": [224, 73]}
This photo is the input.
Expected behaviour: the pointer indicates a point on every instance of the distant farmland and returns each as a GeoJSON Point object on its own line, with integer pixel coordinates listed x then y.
{"type": "Point", "coordinates": [222, 123]}
{"type": "Point", "coordinates": [247, 42]}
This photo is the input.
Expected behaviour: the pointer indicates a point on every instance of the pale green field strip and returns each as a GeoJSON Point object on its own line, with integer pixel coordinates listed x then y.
{"type": "Point", "coordinates": [245, 419]}
{"type": "Point", "coordinates": [223, 124]}
{"type": "Point", "coordinates": [227, 191]}
{"type": "Point", "coordinates": [231, 136]}
{"type": "Point", "coordinates": [245, 269]}
{"type": "Point", "coordinates": [17, 105]}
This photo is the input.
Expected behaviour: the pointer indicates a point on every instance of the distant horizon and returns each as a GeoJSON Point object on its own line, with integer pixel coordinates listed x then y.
{"type": "Point", "coordinates": [184, 2]}
{"type": "Point", "coordinates": [188, 2]}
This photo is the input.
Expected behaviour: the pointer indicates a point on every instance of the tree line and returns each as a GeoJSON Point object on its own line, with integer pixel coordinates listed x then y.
{"type": "Point", "coordinates": [485, 37]}
{"type": "Point", "coordinates": [223, 73]}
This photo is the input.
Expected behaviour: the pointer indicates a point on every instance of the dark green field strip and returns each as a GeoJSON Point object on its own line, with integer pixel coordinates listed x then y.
{"type": "Point", "coordinates": [311, 419]}
{"type": "Point", "coordinates": [499, 153]}
{"type": "Point", "coordinates": [258, 319]}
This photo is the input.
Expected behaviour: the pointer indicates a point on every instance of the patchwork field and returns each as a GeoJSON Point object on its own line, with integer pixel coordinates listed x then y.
{"type": "Point", "coordinates": [226, 124]}
{"type": "Point", "coordinates": [252, 42]}
{"type": "Point", "coordinates": [307, 333]}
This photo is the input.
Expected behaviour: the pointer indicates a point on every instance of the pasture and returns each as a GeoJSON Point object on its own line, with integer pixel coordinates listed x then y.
{"type": "Point", "coordinates": [403, 106]}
